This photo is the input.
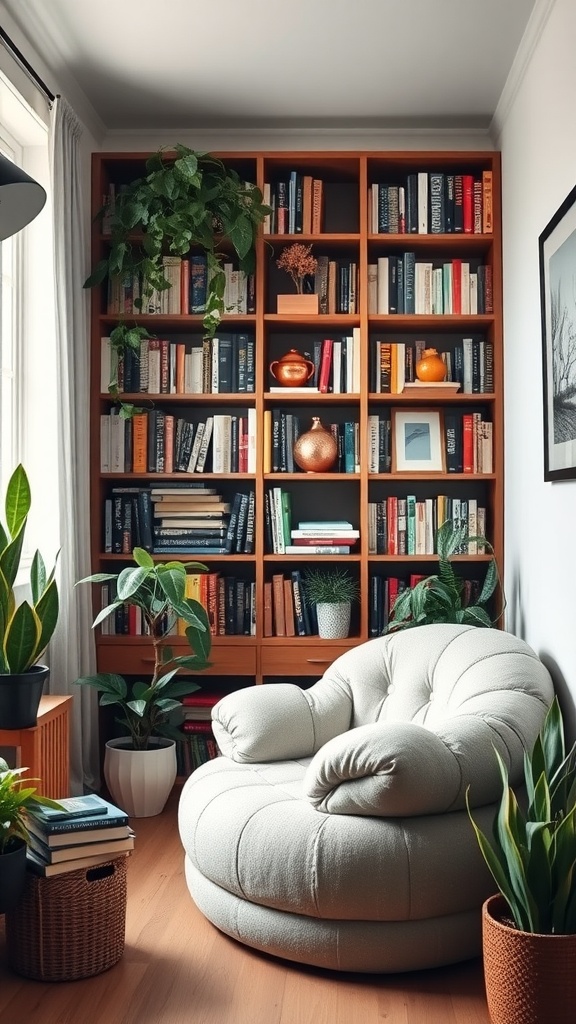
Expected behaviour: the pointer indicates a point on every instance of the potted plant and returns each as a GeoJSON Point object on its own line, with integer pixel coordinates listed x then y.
{"type": "Point", "coordinates": [25, 628]}
{"type": "Point", "coordinates": [140, 767]}
{"type": "Point", "coordinates": [440, 598]}
{"type": "Point", "coordinates": [529, 929]}
{"type": "Point", "coordinates": [297, 260]}
{"type": "Point", "coordinates": [184, 202]}
{"type": "Point", "coordinates": [16, 798]}
{"type": "Point", "coordinates": [332, 591]}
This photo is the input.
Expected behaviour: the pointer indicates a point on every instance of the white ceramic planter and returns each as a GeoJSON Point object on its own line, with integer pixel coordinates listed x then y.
{"type": "Point", "coordinates": [140, 781]}
{"type": "Point", "coordinates": [333, 620]}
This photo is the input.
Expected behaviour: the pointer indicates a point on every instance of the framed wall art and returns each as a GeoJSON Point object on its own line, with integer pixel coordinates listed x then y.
{"type": "Point", "coordinates": [557, 251]}
{"type": "Point", "coordinates": [418, 441]}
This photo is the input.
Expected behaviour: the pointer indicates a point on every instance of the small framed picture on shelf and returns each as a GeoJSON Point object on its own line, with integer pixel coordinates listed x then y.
{"type": "Point", "coordinates": [557, 250]}
{"type": "Point", "coordinates": [418, 441]}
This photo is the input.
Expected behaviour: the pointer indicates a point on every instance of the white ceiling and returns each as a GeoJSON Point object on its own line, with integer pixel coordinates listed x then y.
{"type": "Point", "coordinates": [177, 64]}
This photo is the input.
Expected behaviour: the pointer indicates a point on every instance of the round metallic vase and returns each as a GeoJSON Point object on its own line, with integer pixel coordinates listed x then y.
{"type": "Point", "coordinates": [292, 370]}
{"type": "Point", "coordinates": [316, 450]}
{"type": "Point", "coordinates": [431, 367]}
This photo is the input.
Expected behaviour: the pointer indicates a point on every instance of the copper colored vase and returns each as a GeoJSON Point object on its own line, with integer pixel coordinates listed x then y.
{"type": "Point", "coordinates": [431, 367]}
{"type": "Point", "coordinates": [316, 450]}
{"type": "Point", "coordinates": [292, 370]}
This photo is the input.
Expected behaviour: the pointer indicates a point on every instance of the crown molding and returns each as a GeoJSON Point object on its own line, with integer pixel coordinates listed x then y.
{"type": "Point", "coordinates": [534, 29]}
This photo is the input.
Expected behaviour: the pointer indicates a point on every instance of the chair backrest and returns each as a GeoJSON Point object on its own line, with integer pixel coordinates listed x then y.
{"type": "Point", "coordinates": [433, 674]}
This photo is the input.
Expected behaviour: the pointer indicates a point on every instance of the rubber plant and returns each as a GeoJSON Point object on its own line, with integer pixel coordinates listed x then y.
{"type": "Point", "coordinates": [158, 589]}
{"type": "Point", "coordinates": [440, 597]}
{"type": "Point", "coordinates": [186, 200]}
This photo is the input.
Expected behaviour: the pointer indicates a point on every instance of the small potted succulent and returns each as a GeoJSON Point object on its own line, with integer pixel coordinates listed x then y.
{"type": "Point", "coordinates": [332, 591]}
{"type": "Point", "coordinates": [17, 796]}
{"type": "Point", "coordinates": [299, 263]}
{"type": "Point", "coordinates": [25, 628]}
{"type": "Point", "coordinates": [140, 766]}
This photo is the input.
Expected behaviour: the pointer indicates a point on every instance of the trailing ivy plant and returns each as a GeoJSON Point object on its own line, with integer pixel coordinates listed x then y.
{"type": "Point", "coordinates": [190, 201]}
{"type": "Point", "coordinates": [440, 598]}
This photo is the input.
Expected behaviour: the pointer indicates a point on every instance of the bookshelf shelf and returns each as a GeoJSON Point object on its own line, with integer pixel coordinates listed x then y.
{"type": "Point", "coordinates": [344, 235]}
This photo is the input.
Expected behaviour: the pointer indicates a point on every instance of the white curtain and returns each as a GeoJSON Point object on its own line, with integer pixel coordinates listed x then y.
{"type": "Point", "coordinates": [72, 652]}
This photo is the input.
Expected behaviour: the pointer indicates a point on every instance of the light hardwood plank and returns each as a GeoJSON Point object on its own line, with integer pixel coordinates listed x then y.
{"type": "Point", "coordinates": [177, 969]}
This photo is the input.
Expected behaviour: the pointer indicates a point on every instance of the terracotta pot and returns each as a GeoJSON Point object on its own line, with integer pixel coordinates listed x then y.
{"type": "Point", "coordinates": [431, 367]}
{"type": "Point", "coordinates": [530, 979]}
{"type": "Point", "coordinates": [292, 370]}
{"type": "Point", "coordinates": [316, 450]}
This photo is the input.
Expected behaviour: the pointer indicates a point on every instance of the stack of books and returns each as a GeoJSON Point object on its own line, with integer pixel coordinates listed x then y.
{"type": "Point", "coordinates": [87, 831]}
{"type": "Point", "coordinates": [325, 537]}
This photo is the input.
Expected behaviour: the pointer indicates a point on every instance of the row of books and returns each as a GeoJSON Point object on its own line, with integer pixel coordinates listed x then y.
{"type": "Point", "coordinates": [188, 279]}
{"type": "Point", "coordinates": [195, 748]}
{"type": "Point", "coordinates": [407, 526]}
{"type": "Point", "coordinates": [85, 832]}
{"type": "Point", "coordinates": [467, 440]}
{"type": "Point", "coordinates": [171, 520]}
{"type": "Point", "coordinates": [335, 282]}
{"type": "Point", "coordinates": [296, 204]}
{"type": "Point", "coordinates": [286, 611]}
{"type": "Point", "coordinates": [155, 441]}
{"type": "Point", "coordinates": [470, 363]}
{"type": "Point", "coordinates": [230, 602]}
{"type": "Point", "coordinates": [384, 590]}
{"type": "Point", "coordinates": [336, 366]}
{"type": "Point", "coordinates": [282, 430]}
{"type": "Point", "coordinates": [221, 365]}
{"type": "Point", "coordinates": [404, 285]}
{"type": "Point", "coordinates": [433, 202]}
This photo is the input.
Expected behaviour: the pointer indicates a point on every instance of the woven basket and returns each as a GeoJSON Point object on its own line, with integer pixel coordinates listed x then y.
{"type": "Point", "coordinates": [70, 926]}
{"type": "Point", "coordinates": [530, 979]}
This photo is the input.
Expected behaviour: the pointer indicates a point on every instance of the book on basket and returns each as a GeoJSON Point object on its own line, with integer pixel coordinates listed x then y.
{"type": "Point", "coordinates": [73, 831]}
{"type": "Point", "coordinates": [41, 867]}
{"type": "Point", "coordinates": [58, 854]}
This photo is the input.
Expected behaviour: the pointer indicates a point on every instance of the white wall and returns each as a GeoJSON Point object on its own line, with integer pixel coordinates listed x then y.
{"type": "Point", "coordinates": [537, 137]}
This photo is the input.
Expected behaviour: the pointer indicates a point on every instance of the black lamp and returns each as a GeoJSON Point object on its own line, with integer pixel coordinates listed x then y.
{"type": "Point", "coordinates": [21, 198]}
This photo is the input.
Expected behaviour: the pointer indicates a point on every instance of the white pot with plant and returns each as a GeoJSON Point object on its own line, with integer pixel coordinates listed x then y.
{"type": "Point", "coordinates": [332, 591]}
{"type": "Point", "coordinates": [140, 767]}
{"type": "Point", "coordinates": [529, 930]}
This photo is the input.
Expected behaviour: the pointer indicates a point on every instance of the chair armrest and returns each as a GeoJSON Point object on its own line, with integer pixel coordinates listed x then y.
{"type": "Point", "coordinates": [385, 769]}
{"type": "Point", "coordinates": [278, 721]}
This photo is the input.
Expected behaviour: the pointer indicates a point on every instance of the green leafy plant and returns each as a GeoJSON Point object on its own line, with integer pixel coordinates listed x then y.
{"type": "Point", "coordinates": [439, 598]}
{"type": "Point", "coordinates": [16, 798]}
{"type": "Point", "coordinates": [26, 628]}
{"type": "Point", "coordinates": [330, 586]}
{"type": "Point", "coordinates": [532, 851]}
{"type": "Point", "coordinates": [184, 201]}
{"type": "Point", "coordinates": [159, 590]}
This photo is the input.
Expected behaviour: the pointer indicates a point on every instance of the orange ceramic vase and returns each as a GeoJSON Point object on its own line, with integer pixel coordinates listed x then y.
{"type": "Point", "coordinates": [431, 366]}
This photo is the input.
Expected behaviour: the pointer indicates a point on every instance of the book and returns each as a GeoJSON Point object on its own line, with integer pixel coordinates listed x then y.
{"type": "Point", "coordinates": [73, 807]}
{"type": "Point", "coordinates": [56, 855]}
{"type": "Point", "coordinates": [39, 867]}
{"type": "Point", "coordinates": [115, 818]}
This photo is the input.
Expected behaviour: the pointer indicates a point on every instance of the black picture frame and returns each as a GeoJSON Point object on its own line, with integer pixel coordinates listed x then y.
{"type": "Point", "coordinates": [557, 256]}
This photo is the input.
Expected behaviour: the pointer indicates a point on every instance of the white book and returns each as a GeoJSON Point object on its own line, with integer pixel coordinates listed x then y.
{"type": "Point", "coordinates": [373, 207]}
{"type": "Point", "coordinates": [153, 371]}
{"type": "Point", "coordinates": [144, 365]}
{"type": "Point", "coordinates": [221, 443]}
{"type": "Point", "coordinates": [382, 285]}
{"type": "Point", "coordinates": [206, 437]}
{"type": "Point", "coordinates": [429, 525]}
{"type": "Point", "coordinates": [215, 356]}
{"type": "Point", "coordinates": [324, 534]}
{"type": "Point", "coordinates": [473, 294]}
{"type": "Point", "coordinates": [348, 356]}
{"type": "Point", "coordinates": [336, 367]}
{"type": "Point", "coordinates": [422, 203]}
{"type": "Point", "coordinates": [172, 369]}
{"type": "Point", "coordinates": [105, 365]}
{"type": "Point", "coordinates": [317, 549]}
{"type": "Point", "coordinates": [465, 288]}
{"type": "Point", "coordinates": [373, 422]}
{"type": "Point", "coordinates": [196, 362]}
{"type": "Point", "coordinates": [472, 525]}
{"type": "Point", "coordinates": [195, 448]}
{"type": "Point", "coordinates": [117, 444]}
{"type": "Point", "coordinates": [467, 366]}
{"type": "Point", "coordinates": [252, 427]}
{"type": "Point", "coordinates": [356, 360]}
{"type": "Point", "coordinates": [277, 515]}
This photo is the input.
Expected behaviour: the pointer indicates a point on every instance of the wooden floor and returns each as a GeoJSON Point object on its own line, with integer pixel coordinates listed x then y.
{"type": "Point", "coordinates": [178, 969]}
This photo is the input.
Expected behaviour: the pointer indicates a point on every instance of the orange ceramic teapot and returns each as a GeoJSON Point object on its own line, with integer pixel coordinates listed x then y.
{"type": "Point", "coordinates": [292, 370]}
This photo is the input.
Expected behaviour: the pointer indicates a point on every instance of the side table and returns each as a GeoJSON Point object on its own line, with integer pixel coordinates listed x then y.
{"type": "Point", "coordinates": [45, 747]}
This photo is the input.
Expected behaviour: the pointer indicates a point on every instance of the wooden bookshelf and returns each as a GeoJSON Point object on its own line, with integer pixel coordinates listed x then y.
{"type": "Point", "coordinates": [347, 235]}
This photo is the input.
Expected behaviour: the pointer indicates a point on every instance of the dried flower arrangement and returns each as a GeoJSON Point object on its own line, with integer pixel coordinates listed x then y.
{"type": "Point", "coordinates": [298, 261]}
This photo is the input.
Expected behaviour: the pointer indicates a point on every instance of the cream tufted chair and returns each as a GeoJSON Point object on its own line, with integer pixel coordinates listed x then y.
{"type": "Point", "coordinates": [333, 830]}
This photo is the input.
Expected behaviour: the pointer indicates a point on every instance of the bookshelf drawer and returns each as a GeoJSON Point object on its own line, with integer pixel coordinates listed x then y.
{"type": "Point", "coordinates": [137, 659]}
{"type": "Point", "coordinates": [301, 661]}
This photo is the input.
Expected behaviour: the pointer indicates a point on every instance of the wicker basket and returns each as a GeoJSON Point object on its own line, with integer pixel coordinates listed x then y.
{"type": "Point", "coordinates": [70, 926]}
{"type": "Point", "coordinates": [530, 979]}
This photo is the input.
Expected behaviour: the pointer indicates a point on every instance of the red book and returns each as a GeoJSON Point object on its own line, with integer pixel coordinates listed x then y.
{"type": "Point", "coordinates": [468, 203]}
{"type": "Point", "coordinates": [325, 365]}
{"type": "Point", "coordinates": [324, 540]}
{"type": "Point", "coordinates": [196, 725]}
{"type": "Point", "coordinates": [201, 698]}
{"type": "Point", "coordinates": [393, 584]}
{"type": "Point", "coordinates": [467, 443]}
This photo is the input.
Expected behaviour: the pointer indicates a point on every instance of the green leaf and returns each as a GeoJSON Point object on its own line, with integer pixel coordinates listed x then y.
{"type": "Point", "coordinates": [37, 577]}
{"type": "Point", "coordinates": [47, 611]}
{"type": "Point", "coordinates": [130, 581]}
{"type": "Point", "coordinates": [21, 638]}
{"type": "Point", "coordinates": [143, 558]}
{"type": "Point", "coordinates": [107, 682]}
